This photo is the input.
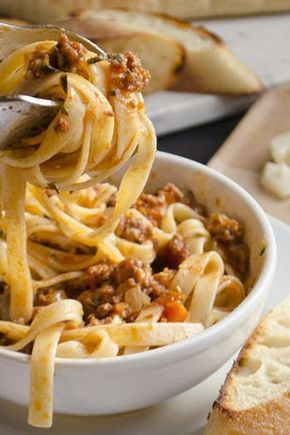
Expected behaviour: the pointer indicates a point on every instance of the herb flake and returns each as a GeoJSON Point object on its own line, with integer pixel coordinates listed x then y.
{"type": "Point", "coordinates": [52, 186]}
{"type": "Point", "coordinates": [262, 252]}
{"type": "Point", "coordinates": [95, 59]}
{"type": "Point", "coordinates": [63, 111]}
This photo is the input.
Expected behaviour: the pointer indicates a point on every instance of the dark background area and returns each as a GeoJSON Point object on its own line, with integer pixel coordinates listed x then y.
{"type": "Point", "coordinates": [199, 143]}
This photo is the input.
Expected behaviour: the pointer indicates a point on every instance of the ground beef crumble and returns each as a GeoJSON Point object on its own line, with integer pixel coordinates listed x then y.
{"type": "Point", "coordinates": [127, 73]}
{"type": "Point", "coordinates": [66, 55]}
{"type": "Point", "coordinates": [151, 206]}
{"type": "Point", "coordinates": [174, 253]}
{"type": "Point", "coordinates": [170, 193]}
{"type": "Point", "coordinates": [224, 229]}
{"type": "Point", "coordinates": [154, 206]}
{"type": "Point", "coordinates": [227, 239]}
{"type": "Point", "coordinates": [134, 229]}
{"type": "Point", "coordinates": [93, 278]}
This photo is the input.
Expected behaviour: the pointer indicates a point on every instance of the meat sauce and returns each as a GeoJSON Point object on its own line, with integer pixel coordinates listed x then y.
{"type": "Point", "coordinates": [227, 239]}
{"type": "Point", "coordinates": [126, 71]}
{"type": "Point", "coordinates": [108, 292]}
{"type": "Point", "coordinates": [67, 56]}
{"type": "Point", "coordinates": [117, 293]}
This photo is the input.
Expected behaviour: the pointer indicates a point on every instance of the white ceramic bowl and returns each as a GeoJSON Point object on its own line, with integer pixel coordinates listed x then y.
{"type": "Point", "coordinates": [114, 385]}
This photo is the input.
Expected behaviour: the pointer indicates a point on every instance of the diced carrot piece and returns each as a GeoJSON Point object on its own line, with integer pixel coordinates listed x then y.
{"type": "Point", "coordinates": [174, 311]}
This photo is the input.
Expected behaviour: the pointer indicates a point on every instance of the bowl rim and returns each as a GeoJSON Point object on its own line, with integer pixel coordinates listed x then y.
{"type": "Point", "coordinates": [211, 335]}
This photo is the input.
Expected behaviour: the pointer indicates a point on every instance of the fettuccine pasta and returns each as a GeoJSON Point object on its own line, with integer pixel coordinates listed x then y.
{"type": "Point", "coordinates": [88, 269]}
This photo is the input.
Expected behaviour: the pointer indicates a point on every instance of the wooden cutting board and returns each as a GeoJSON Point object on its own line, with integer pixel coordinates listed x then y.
{"type": "Point", "coordinates": [245, 152]}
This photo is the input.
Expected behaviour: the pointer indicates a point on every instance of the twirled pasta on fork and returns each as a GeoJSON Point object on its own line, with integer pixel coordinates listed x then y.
{"type": "Point", "coordinates": [100, 125]}
{"type": "Point", "coordinates": [89, 270]}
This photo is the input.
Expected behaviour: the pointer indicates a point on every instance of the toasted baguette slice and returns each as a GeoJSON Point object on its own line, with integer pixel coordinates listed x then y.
{"type": "Point", "coordinates": [42, 11]}
{"type": "Point", "coordinates": [255, 398]}
{"type": "Point", "coordinates": [210, 67]}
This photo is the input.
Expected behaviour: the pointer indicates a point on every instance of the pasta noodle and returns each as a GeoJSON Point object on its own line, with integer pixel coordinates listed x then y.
{"type": "Point", "coordinates": [91, 270]}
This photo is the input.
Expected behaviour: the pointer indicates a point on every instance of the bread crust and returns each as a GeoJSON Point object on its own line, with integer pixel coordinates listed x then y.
{"type": "Point", "coordinates": [271, 417]}
{"type": "Point", "coordinates": [53, 10]}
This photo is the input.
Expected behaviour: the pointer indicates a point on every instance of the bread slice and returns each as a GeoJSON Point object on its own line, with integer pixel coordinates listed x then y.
{"type": "Point", "coordinates": [210, 66]}
{"type": "Point", "coordinates": [42, 11]}
{"type": "Point", "coordinates": [255, 399]}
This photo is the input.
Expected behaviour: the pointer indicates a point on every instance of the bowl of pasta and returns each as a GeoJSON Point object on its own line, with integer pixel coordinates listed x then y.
{"type": "Point", "coordinates": [125, 279]}
{"type": "Point", "coordinates": [229, 300]}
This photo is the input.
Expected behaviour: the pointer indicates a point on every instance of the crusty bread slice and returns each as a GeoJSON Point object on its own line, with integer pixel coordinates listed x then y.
{"type": "Point", "coordinates": [210, 67]}
{"type": "Point", "coordinates": [255, 399]}
{"type": "Point", "coordinates": [48, 10]}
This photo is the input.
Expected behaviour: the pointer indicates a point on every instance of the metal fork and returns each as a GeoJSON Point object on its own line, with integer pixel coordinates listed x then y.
{"type": "Point", "coordinates": [22, 115]}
